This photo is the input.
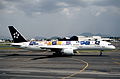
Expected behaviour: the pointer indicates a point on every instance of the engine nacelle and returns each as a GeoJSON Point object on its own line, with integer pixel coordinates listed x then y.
{"type": "Point", "coordinates": [68, 51]}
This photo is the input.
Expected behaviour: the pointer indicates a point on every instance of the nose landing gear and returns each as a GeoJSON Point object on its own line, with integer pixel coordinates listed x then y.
{"type": "Point", "coordinates": [101, 52]}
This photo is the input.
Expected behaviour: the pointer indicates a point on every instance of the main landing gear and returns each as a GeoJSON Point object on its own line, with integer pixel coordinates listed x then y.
{"type": "Point", "coordinates": [57, 54]}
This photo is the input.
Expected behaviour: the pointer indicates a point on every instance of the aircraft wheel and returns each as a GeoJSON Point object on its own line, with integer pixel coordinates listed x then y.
{"type": "Point", "coordinates": [57, 54]}
{"type": "Point", "coordinates": [101, 53]}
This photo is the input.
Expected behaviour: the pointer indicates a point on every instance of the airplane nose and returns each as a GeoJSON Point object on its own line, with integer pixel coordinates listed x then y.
{"type": "Point", "coordinates": [113, 47]}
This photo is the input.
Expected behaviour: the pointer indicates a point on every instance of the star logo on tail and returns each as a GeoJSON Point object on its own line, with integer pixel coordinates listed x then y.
{"type": "Point", "coordinates": [16, 35]}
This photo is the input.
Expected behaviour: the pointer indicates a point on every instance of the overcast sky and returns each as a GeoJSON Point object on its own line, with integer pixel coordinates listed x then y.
{"type": "Point", "coordinates": [60, 17]}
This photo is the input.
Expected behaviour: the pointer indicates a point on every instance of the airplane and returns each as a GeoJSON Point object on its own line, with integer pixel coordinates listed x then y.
{"type": "Point", "coordinates": [59, 47]}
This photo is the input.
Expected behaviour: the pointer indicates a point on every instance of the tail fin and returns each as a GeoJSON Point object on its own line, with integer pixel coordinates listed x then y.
{"type": "Point", "coordinates": [17, 37]}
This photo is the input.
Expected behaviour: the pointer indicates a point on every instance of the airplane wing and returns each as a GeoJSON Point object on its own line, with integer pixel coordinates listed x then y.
{"type": "Point", "coordinates": [57, 47]}
{"type": "Point", "coordinates": [61, 49]}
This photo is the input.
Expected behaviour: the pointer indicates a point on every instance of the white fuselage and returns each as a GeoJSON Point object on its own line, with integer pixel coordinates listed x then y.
{"type": "Point", "coordinates": [75, 45]}
{"type": "Point", "coordinates": [59, 47]}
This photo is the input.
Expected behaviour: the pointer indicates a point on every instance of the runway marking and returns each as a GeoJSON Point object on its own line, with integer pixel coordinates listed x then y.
{"type": "Point", "coordinates": [29, 52]}
{"type": "Point", "coordinates": [115, 59]}
{"type": "Point", "coordinates": [25, 76]}
{"type": "Point", "coordinates": [86, 65]}
{"type": "Point", "coordinates": [117, 63]}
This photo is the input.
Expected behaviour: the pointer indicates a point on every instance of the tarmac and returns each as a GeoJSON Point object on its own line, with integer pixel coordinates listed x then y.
{"type": "Point", "coordinates": [20, 64]}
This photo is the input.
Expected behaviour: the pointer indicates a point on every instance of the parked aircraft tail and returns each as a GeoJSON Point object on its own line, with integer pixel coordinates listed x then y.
{"type": "Point", "coordinates": [17, 37]}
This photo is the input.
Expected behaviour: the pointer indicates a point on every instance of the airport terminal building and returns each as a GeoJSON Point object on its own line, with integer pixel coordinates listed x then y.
{"type": "Point", "coordinates": [84, 38]}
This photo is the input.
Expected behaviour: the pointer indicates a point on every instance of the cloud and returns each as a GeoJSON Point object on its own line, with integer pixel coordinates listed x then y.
{"type": "Point", "coordinates": [85, 15]}
{"type": "Point", "coordinates": [71, 11]}
{"type": "Point", "coordinates": [97, 10]}
{"type": "Point", "coordinates": [115, 3]}
{"type": "Point", "coordinates": [53, 6]}
{"type": "Point", "coordinates": [9, 6]}
{"type": "Point", "coordinates": [63, 4]}
{"type": "Point", "coordinates": [66, 11]}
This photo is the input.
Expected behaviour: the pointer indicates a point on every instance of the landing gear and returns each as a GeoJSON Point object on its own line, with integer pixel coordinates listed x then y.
{"type": "Point", "coordinates": [101, 52]}
{"type": "Point", "coordinates": [57, 54]}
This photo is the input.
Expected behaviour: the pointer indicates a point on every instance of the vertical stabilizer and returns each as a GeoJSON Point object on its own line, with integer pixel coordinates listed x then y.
{"type": "Point", "coordinates": [17, 37]}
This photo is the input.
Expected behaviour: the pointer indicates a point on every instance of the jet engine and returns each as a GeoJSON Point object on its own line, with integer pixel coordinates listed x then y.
{"type": "Point", "coordinates": [67, 51]}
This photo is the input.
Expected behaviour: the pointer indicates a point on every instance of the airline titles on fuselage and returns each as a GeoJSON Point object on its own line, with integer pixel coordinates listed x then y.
{"type": "Point", "coordinates": [64, 43]}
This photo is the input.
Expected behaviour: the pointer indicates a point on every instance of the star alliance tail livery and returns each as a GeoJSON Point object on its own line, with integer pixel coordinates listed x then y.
{"type": "Point", "coordinates": [59, 47]}
{"type": "Point", "coordinates": [17, 37]}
